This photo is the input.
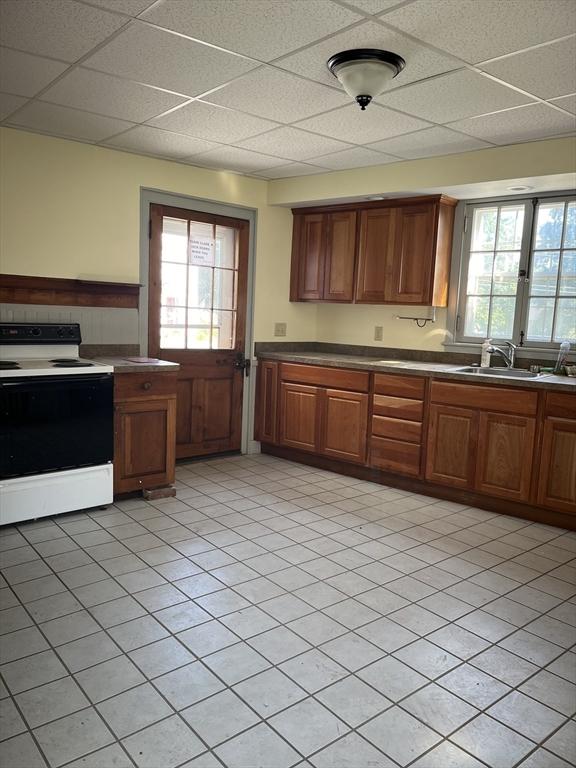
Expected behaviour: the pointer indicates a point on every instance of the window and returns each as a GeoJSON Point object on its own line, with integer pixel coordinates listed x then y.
{"type": "Point", "coordinates": [518, 276]}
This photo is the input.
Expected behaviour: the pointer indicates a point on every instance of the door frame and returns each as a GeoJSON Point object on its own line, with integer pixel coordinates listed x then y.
{"type": "Point", "coordinates": [149, 196]}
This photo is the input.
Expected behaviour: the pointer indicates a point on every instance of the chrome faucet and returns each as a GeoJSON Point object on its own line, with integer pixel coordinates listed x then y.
{"type": "Point", "coordinates": [507, 356]}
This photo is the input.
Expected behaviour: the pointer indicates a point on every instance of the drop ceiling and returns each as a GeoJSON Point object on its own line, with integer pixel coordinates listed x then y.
{"type": "Point", "coordinates": [242, 85]}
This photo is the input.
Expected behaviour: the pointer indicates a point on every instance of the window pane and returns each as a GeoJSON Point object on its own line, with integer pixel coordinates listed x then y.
{"type": "Point", "coordinates": [172, 316]}
{"type": "Point", "coordinates": [201, 246]}
{"type": "Point", "coordinates": [540, 319]}
{"type": "Point", "coordinates": [484, 229]}
{"type": "Point", "coordinates": [174, 239]}
{"type": "Point", "coordinates": [480, 273]}
{"type": "Point", "coordinates": [570, 230]}
{"type": "Point", "coordinates": [502, 317]}
{"type": "Point", "coordinates": [510, 228]}
{"type": "Point", "coordinates": [225, 247]}
{"type": "Point", "coordinates": [565, 329]}
{"type": "Point", "coordinates": [198, 336]}
{"type": "Point", "coordinates": [223, 330]}
{"type": "Point", "coordinates": [173, 285]}
{"type": "Point", "coordinates": [200, 286]}
{"type": "Point", "coordinates": [549, 225]}
{"type": "Point", "coordinates": [477, 309]}
{"type": "Point", "coordinates": [505, 279]}
{"type": "Point", "coordinates": [224, 289]}
{"type": "Point", "coordinates": [172, 338]}
{"type": "Point", "coordinates": [568, 274]}
{"type": "Point", "coordinates": [544, 273]}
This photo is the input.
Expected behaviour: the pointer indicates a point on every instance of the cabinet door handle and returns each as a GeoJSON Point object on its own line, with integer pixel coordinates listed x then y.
{"type": "Point", "coordinates": [147, 385]}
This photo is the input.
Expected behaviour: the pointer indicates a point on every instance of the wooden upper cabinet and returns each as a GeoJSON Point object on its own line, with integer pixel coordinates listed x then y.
{"type": "Point", "coordinates": [374, 255]}
{"type": "Point", "coordinates": [412, 257]}
{"type": "Point", "coordinates": [340, 253]}
{"type": "Point", "coordinates": [557, 479]}
{"type": "Point", "coordinates": [308, 257]}
{"type": "Point", "coordinates": [505, 449]}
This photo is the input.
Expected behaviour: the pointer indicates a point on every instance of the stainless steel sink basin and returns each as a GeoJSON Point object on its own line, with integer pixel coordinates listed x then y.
{"type": "Point", "coordinates": [511, 373]}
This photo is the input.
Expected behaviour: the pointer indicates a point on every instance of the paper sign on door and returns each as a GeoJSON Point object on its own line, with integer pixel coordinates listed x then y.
{"type": "Point", "coordinates": [201, 251]}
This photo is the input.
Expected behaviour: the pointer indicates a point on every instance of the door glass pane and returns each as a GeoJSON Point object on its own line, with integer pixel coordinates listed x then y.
{"type": "Point", "coordinates": [484, 229]}
{"type": "Point", "coordinates": [172, 338]}
{"type": "Point", "coordinates": [198, 336]}
{"type": "Point", "coordinates": [502, 317]}
{"type": "Point", "coordinates": [570, 230]}
{"type": "Point", "coordinates": [480, 273]}
{"type": "Point", "coordinates": [540, 319]}
{"type": "Point", "coordinates": [565, 329]}
{"type": "Point", "coordinates": [549, 225]}
{"type": "Point", "coordinates": [223, 329]}
{"type": "Point", "coordinates": [477, 310]}
{"type": "Point", "coordinates": [173, 285]}
{"type": "Point", "coordinates": [225, 247]}
{"type": "Point", "coordinates": [544, 272]}
{"type": "Point", "coordinates": [224, 297]}
{"type": "Point", "coordinates": [510, 228]}
{"type": "Point", "coordinates": [505, 279]}
{"type": "Point", "coordinates": [568, 274]}
{"type": "Point", "coordinates": [174, 240]}
{"type": "Point", "coordinates": [172, 316]}
{"type": "Point", "coordinates": [201, 246]}
{"type": "Point", "coordinates": [200, 287]}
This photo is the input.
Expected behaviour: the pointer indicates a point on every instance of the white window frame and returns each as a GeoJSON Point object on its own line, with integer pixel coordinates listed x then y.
{"type": "Point", "coordinates": [456, 340]}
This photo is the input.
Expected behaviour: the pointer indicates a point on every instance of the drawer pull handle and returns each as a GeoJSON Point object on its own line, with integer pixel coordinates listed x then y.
{"type": "Point", "coordinates": [147, 385]}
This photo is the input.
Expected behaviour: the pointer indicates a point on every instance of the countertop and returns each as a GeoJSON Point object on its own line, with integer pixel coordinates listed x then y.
{"type": "Point", "coordinates": [127, 365]}
{"type": "Point", "coordinates": [437, 370]}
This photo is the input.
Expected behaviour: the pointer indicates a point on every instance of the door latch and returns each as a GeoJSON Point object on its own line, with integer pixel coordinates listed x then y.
{"type": "Point", "coordinates": [241, 363]}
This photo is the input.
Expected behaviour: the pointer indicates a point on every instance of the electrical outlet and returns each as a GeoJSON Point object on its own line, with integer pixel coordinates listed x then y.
{"type": "Point", "coordinates": [378, 332]}
{"type": "Point", "coordinates": [279, 329]}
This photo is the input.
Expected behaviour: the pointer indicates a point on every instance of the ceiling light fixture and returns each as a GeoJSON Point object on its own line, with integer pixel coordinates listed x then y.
{"type": "Point", "coordinates": [365, 72]}
{"type": "Point", "coordinates": [520, 188]}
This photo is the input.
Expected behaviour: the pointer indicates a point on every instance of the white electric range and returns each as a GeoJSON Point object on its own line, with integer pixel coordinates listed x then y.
{"type": "Point", "coordinates": [56, 438]}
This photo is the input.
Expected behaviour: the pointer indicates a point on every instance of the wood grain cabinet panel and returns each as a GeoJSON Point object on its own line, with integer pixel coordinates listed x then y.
{"type": "Point", "coordinates": [398, 407]}
{"type": "Point", "coordinates": [299, 416]}
{"type": "Point", "coordinates": [395, 456]}
{"type": "Point", "coordinates": [345, 422]}
{"type": "Point", "coordinates": [451, 449]}
{"type": "Point", "coordinates": [505, 449]}
{"type": "Point", "coordinates": [410, 274]}
{"type": "Point", "coordinates": [308, 257]}
{"type": "Point", "coordinates": [340, 256]}
{"type": "Point", "coordinates": [267, 402]}
{"type": "Point", "coordinates": [557, 479]}
{"type": "Point", "coordinates": [375, 255]}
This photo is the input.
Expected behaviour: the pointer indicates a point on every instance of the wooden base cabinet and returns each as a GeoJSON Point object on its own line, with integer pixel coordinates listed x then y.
{"type": "Point", "coordinates": [144, 431]}
{"type": "Point", "coordinates": [345, 425]}
{"type": "Point", "coordinates": [451, 451]}
{"type": "Point", "coordinates": [299, 416]}
{"type": "Point", "coordinates": [505, 451]}
{"type": "Point", "coordinates": [557, 478]}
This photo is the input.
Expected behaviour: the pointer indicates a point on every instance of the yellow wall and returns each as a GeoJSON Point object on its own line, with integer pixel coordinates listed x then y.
{"type": "Point", "coordinates": [72, 210]}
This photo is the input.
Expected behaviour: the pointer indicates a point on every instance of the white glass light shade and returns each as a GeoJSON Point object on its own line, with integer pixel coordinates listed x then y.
{"type": "Point", "coordinates": [364, 77]}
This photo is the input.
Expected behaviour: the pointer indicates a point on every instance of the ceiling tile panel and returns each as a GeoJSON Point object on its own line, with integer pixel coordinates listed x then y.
{"type": "Point", "coordinates": [9, 104]}
{"type": "Point", "coordinates": [62, 29]}
{"type": "Point", "coordinates": [292, 169]}
{"type": "Point", "coordinates": [96, 92]}
{"type": "Point", "coordinates": [547, 71]}
{"type": "Point", "coordinates": [153, 141]}
{"type": "Point", "coordinates": [24, 74]}
{"type": "Point", "coordinates": [267, 92]}
{"type": "Point", "coordinates": [257, 28]}
{"type": "Point", "coordinates": [129, 7]}
{"type": "Point", "coordinates": [235, 159]}
{"type": "Point", "coordinates": [356, 157]}
{"type": "Point", "coordinates": [454, 96]}
{"type": "Point", "coordinates": [292, 144]}
{"type": "Point", "coordinates": [70, 123]}
{"type": "Point", "coordinates": [477, 30]}
{"type": "Point", "coordinates": [567, 102]}
{"type": "Point", "coordinates": [154, 57]}
{"type": "Point", "coordinates": [536, 121]}
{"type": "Point", "coordinates": [420, 61]}
{"type": "Point", "coordinates": [207, 121]}
{"type": "Point", "coordinates": [375, 6]}
{"type": "Point", "coordinates": [430, 142]}
{"type": "Point", "coordinates": [351, 124]}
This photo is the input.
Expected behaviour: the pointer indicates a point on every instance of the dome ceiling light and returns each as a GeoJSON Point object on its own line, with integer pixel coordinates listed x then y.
{"type": "Point", "coordinates": [365, 72]}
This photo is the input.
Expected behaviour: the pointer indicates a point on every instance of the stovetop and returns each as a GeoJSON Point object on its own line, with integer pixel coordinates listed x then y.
{"type": "Point", "coordinates": [53, 367]}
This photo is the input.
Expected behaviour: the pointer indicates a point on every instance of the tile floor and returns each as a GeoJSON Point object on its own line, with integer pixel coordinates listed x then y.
{"type": "Point", "coordinates": [274, 615]}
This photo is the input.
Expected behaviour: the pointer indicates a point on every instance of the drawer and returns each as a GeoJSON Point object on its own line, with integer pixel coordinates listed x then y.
{"type": "Point", "coordinates": [499, 399]}
{"type": "Point", "coordinates": [397, 429]}
{"type": "Point", "coordinates": [401, 386]}
{"type": "Point", "coordinates": [398, 407]}
{"type": "Point", "coordinates": [128, 386]}
{"type": "Point", "coordinates": [395, 456]}
{"type": "Point", "coordinates": [561, 404]}
{"type": "Point", "coordinates": [334, 378]}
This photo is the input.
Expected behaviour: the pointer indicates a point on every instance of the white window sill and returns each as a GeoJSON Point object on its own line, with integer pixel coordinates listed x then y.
{"type": "Point", "coordinates": [522, 352]}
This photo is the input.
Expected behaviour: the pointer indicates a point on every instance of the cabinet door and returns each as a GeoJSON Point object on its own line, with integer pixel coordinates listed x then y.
{"type": "Point", "coordinates": [345, 423]}
{"type": "Point", "coordinates": [144, 444]}
{"type": "Point", "coordinates": [412, 262]}
{"type": "Point", "coordinates": [299, 416]}
{"type": "Point", "coordinates": [374, 254]}
{"type": "Point", "coordinates": [505, 450]}
{"type": "Point", "coordinates": [340, 254]}
{"type": "Point", "coordinates": [309, 256]}
{"type": "Point", "coordinates": [451, 448]}
{"type": "Point", "coordinates": [266, 401]}
{"type": "Point", "coordinates": [557, 486]}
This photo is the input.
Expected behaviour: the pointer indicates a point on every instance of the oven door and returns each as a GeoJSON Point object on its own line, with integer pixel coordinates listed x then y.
{"type": "Point", "coordinates": [52, 423]}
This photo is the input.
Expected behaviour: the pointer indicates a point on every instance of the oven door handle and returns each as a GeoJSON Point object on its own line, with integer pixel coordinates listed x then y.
{"type": "Point", "coordinates": [84, 378]}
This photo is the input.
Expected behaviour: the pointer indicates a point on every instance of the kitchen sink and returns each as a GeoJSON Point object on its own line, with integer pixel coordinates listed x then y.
{"type": "Point", "coordinates": [511, 373]}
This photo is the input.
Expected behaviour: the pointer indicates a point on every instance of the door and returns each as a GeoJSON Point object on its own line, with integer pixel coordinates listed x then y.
{"type": "Point", "coordinates": [299, 416]}
{"type": "Point", "coordinates": [345, 425]}
{"type": "Point", "coordinates": [197, 317]}
{"type": "Point", "coordinates": [505, 448]}
{"type": "Point", "coordinates": [340, 253]}
{"type": "Point", "coordinates": [309, 243]}
{"type": "Point", "coordinates": [411, 267]}
{"type": "Point", "coordinates": [557, 486]}
{"type": "Point", "coordinates": [451, 448]}
{"type": "Point", "coordinates": [374, 254]}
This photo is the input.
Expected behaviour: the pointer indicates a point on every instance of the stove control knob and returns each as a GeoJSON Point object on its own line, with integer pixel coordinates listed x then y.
{"type": "Point", "coordinates": [35, 331]}
{"type": "Point", "coordinates": [60, 332]}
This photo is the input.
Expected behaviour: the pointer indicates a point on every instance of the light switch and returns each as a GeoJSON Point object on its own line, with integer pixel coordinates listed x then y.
{"type": "Point", "coordinates": [279, 329]}
{"type": "Point", "coordinates": [378, 332]}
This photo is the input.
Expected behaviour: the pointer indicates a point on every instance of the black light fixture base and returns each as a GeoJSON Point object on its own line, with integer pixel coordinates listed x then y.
{"type": "Point", "coordinates": [363, 101]}
{"type": "Point", "coordinates": [393, 60]}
